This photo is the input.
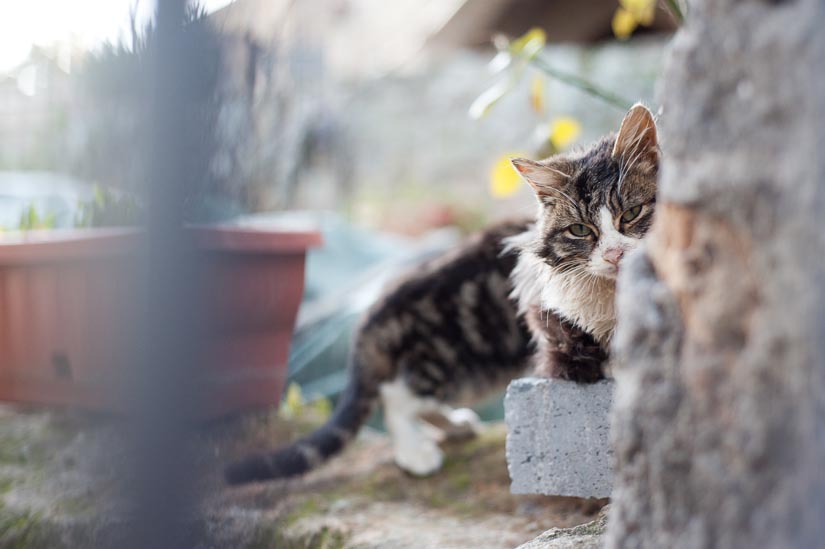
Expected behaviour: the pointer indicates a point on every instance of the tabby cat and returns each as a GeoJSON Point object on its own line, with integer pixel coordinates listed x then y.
{"type": "Point", "coordinates": [595, 205]}
{"type": "Point", "coordinates": [458, 328]}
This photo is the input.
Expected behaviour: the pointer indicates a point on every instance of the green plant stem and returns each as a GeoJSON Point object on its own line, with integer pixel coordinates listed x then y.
{"type": "Point", "coordinates": [675, 10]}
{"type": "Point", "coordinates": [580, 83]}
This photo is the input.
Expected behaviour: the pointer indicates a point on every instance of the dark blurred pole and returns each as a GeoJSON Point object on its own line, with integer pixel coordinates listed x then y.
{"type": "Point", "coordinates": [165, 376]}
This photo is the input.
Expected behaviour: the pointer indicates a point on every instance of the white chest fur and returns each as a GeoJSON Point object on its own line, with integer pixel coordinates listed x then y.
{"type": "Point", "coordinates": [586, 301]}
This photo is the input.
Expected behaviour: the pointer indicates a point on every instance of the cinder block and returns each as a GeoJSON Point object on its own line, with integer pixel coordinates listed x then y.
{"type": "Point", "coordinates": [558, 439]}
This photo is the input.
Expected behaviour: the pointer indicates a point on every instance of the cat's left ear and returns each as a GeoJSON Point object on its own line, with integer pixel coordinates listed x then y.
{"type": "Point", "coordinates": [637, 140]}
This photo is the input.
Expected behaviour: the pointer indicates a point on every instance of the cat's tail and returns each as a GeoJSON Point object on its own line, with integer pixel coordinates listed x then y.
{"type": "Point", "coordinates": [353, 409]}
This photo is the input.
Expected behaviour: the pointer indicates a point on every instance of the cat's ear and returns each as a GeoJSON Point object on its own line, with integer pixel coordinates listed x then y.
{"type": "Point", "coordinates": [546, 177]}
{"type": "Point", "coordinates": [637, 140]}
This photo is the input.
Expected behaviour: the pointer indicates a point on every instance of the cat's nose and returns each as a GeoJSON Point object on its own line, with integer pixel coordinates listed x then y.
{"type": "Point", "coordinates": [613, 255]}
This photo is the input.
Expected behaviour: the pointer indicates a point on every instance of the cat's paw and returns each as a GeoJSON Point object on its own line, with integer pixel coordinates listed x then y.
{"type": "Point", "coordinates": [464, 417]}
{"type": "Point", "coordinates": [463, 423]}
{"type": "Point", "coordinates": [422, 459]}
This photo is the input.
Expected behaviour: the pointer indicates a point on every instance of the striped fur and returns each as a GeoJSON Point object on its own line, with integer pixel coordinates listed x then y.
{"type": "Point", "coordinates": [449, 330]}
{"type": "Point", "coordinates": [447, 334]}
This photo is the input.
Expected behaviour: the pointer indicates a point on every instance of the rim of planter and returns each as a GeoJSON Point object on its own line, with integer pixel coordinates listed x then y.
{"type": "Point", "coordinates": [52, 244]}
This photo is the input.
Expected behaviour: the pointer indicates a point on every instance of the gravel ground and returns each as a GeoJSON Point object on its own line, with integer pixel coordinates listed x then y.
{"type": "Point", "coordinates": [59, 479]}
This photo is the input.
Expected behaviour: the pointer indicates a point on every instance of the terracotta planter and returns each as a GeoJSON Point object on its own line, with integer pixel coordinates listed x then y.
{"type": "Point", "coordinates": [63, 301]}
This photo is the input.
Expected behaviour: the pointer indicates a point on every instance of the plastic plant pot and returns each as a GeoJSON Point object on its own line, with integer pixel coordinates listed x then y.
{"type": "Point", "coordinates": [65, 304]}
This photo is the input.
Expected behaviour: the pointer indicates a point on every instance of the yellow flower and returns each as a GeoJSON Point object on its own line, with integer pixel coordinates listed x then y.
{"type": "Point", "coordinates": [323, 407]}
{"type": "Point", "coordinates": [537, 94]}
{"type": "Point", "coordinates": [643, 10]}
{"type": "Point", "coordinates": [529, 44]}
{"type": "Point", "coordinates": [564, 131]}
{"type": "Point", "coordinates": [504, 179]}
{"type": "Point", "coordinates": [293, 401]}
{"type": "Point", "coordinates": [623, 24]}
{"type": "Point", "coordinates": [630, 14]}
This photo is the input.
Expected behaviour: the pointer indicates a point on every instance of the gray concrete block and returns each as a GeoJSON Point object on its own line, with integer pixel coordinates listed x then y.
{"type": "Point", "coordinates": [558, 439]}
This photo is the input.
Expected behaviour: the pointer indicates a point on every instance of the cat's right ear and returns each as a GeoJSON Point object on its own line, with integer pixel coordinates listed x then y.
{"type": "Point", "coordinates": [546, 178]}
{"type": "Point", "coordinates": [637, 138]}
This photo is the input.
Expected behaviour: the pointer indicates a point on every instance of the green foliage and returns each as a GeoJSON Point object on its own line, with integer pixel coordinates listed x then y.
{"type": "Point", "coordinates": [31, 220]}
{"type": "Point", "coordinates": [107, 209]}
{"type": "Point", "coordinates": [19, 529]}
{"type": "Point", "coordinates": [294, 405]}
{"type": "Point", "coordinates": [116, 84]}
{"type": "Point", "coordinates": [515, 59]}
{"type": "Point", "coordinates": [676, 9]}
{"type": "Point", "coordinates": [512, 60]}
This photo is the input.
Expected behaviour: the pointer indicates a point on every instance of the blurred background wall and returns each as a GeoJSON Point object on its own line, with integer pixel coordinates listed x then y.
{"type": "Point", "coordinates": [349, 115]}
{"type": "Point", "coordinates": [356, 106]}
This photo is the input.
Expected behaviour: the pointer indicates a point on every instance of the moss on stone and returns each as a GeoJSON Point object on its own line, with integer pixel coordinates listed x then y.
{"type": "Point", "coordinates": [309, 507]}
{"type": "Point", "coordinates": [12, 450]}
{"type": "Point", "coordinates": [76, 506]}
{"type": "Point", "coordinates": [593, 528]}
{"type": "Point", "coordinates": [284, 537]}
{"type": "Point", "coordinates": [453, 489]}
{"type": "Point", "coordinates": [6, 484]}
{"type": "Point", "coordinates": [20, 530]}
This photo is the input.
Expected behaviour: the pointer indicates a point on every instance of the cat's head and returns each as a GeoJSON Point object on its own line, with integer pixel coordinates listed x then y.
{"type": "Point", "coordinates": [596, 203]}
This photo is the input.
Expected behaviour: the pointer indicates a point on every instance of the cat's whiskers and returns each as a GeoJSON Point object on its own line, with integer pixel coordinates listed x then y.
{"type": "Point", "coordinates": [576, 276]}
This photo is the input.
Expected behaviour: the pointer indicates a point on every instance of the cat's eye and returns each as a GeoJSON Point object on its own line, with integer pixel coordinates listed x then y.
{"type": "Point", "coordinates": [580, 230]}
{"type": "Point", "coordinates": [632, 213]}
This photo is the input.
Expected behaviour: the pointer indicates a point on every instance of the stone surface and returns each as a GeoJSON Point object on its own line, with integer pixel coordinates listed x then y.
{"type": "Point", "coordinates": [583, 536]}
{"type": "Point", "coordinates": [719, 354]}
{"type": "Point", "coordinates": [558, 437]}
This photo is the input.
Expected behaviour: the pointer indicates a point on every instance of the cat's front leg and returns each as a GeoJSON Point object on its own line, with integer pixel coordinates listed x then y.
{"type": "Point", "coordinates": [414, 444]}
{"type": "Point", "coordinates": [565, 351]}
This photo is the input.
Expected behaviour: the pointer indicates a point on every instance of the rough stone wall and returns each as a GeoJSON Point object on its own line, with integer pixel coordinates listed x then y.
{"type": "Point", "coordinates": [719, 422]}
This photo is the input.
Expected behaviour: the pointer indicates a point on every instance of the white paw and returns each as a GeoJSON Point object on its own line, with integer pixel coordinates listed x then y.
{"type": "Point", "coordinates": [463, 423]}
{"type": "Point", "coordinates": [464, 417]}
{"type": "Point", "coordinates": [421, 460]}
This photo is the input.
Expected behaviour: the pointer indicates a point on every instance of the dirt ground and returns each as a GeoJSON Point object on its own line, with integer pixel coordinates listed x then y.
{"type": "Point", "coordinates": [58, 489]}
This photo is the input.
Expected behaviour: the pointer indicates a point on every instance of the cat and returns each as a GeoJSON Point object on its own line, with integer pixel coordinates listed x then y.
{"type": "Point", "coordinates": [595, 205]}
{"type": "Point", "coordinates": [458, 328]}
{"type": "Point", "coordinates": [446, 332]}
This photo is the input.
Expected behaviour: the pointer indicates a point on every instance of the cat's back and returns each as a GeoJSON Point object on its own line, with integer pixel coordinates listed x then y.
{"type": "Point", "coordinates": [454, 314]}
{"type": "Point", "coordinates": [481, 256]}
